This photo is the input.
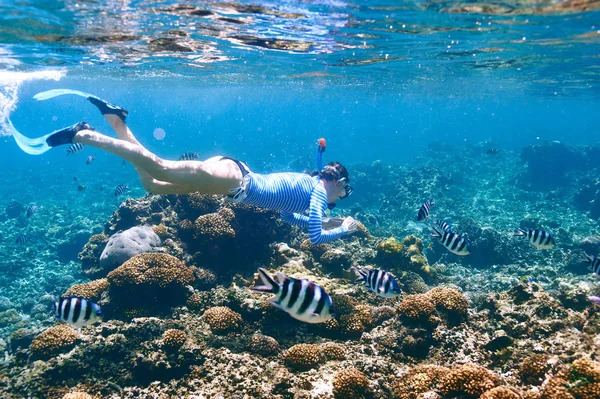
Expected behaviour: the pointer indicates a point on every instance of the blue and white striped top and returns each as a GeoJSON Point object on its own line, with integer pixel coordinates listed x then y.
{"type": "Point", "coordinates": [292, 194]}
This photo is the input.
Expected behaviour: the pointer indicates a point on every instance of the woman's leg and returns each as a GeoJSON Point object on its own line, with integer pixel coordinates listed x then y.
{"type": "Point", "coordinates": [210, 177]}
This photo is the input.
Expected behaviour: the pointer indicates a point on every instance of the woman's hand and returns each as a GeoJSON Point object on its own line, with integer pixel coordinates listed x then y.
{"type": "Point", "coordinates": [350, 224]}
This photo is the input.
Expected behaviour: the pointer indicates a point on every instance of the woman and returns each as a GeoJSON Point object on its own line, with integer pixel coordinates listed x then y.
{"type": "Point", "coordinates": [290, 193]}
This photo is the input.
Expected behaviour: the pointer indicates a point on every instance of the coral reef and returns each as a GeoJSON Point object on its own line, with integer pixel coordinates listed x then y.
{"type": "Point", "coordinates": [92, 290]}
{"type": "Point", "coordinates": [222, 320]}
{"type": "Point", "coordinates": [303, 356]}
{"type": "Point", "coordinates": [419, 380]}
{"type": "Point", "coordinates": [174, 339]}
{"type": "Point", "coordinates": [55, 340]}
{"type": "Point", "coordinates": [350, 384]}
{"type": "Point", "coordinates": [467, 379]}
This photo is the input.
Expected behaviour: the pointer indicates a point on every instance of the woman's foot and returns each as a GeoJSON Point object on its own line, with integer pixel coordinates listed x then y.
{"type": "Point", "coordinates": [65, 136]}
{"type": "Point", "coordinates": [107, 108]}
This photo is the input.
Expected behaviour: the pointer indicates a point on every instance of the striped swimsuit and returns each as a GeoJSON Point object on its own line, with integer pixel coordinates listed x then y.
{"type": "Point", "coordinates": [292, 194]}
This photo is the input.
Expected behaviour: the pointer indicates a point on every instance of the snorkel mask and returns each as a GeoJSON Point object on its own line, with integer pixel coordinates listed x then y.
{"type": "Point", "coordinates": [348, 190]}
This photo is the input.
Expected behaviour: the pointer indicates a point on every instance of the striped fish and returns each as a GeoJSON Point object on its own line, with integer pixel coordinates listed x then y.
{"type": "Point", "coordinates": [301, 299]}
{"type": "Point", "coordinates": [424, 210]}
{"type": "Point", "coordinates": [31, 210]}
{"type": "Point", "coordinates": [75, 148]}
{"type": "Point", "coordinates": [443, 226]}
{"type": "Point", "coordinates": [540, 239]}
{"type": "Point", "coordinates": [380, 282]}
{"type": "Point", "coordinates": [453, 242]}
{"type": "Point", "coordinates": [593, 262]}
{"type": "Point", "coordinates": [77, 311]}
{"type": "Point", "coordinates": [189, 156]}
{"type": "Point", "coordinates": [23, 239]}
{"type": "Point", "coordinates": [90, 159]}
{"type": "Point", "coordinates": [120, 190]}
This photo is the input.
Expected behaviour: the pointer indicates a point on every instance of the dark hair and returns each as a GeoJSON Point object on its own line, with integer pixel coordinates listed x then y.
{"type": "Point", "coordinates": [336, 171]}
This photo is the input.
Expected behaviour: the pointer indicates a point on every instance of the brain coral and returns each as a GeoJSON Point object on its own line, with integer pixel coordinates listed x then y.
{"type": "Point", "coordinates": [221, 319]}
{"type": "Point", "coordinates": [419, 380]}
{"type": "Point", "coordinates": [350, 384]}
{"type": "Point", "coordinates": [51, 342]}
{"type": "Point", "coordinates": [467, 379]}
{"type": "Point", "coordinates": [150, 278]}
{"type": "Point", "coordinates": [303, 356]}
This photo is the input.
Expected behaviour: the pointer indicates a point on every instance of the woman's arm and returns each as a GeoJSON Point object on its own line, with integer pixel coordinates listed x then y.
{"type": "Point", "coordinates": [318, 204]}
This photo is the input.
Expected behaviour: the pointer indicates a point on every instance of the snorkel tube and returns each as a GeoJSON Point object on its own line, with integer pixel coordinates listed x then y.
{"type": "Point", "coordinates": [321, 146]}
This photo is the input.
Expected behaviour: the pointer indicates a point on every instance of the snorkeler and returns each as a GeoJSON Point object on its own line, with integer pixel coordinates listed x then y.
{"type": "Point", "coordinates": [290, 193]}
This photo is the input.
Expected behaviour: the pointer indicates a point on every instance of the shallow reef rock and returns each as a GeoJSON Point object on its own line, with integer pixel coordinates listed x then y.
{"type": "Point", "coordinates": [126, 244]}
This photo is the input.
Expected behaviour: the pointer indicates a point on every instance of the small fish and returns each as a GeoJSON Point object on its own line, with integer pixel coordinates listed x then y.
{"type": "Point", "coordinates": [123, 164]}
{"type": "Point", "coordinates": [80, 187]}
{"type": "Point", "coordinates": [23, 239]}
{"type": "Point", "coordinates": [526, 279]}
{"type": "Point", "coordinates": [77, 311]}
{"type": "Point", "coordinates": [120, 190]}
{"type": "Point", "coordinates": [189, 156]}
{"type": "Point", "coordinates": [380, 282]}
{"type": "Point", "coordinates": [443, 226]}
{"type": "Point", "coordinates": [90, 159]}
{"type": "Point", "coordinates": [75, 178]}
{"type": "Point", "coordinates": [453, 242]}
{"type": "Point", "coordinates": [594, 299]}
{"type": "Point", "coordinates": [301, 299]}
{"type": "Point", "coordinates": [493, 151]}
{"type": "Point", "coordinates": [424, 210]}
{"type": "Point", "coordinates": [75, 148]}
{"type": "Point", "coordinates": [538, 238]}
{"type": "Point", "coordinates": [31, 210]}
{"type": "Point", "coordinates": [593, 262]}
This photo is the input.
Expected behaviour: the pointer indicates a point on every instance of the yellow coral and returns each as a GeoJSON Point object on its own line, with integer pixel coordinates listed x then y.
{"type": "Point", "coordinates": [77, 395]}
{"type": "Point", "coordinates": [390, 246]}
{"type": "Point", "coordinates": [467, 379]}
{"type": "Point", "coordinates": [503, 392]}
{"type": "Point", "coordinates": [419, 380]}
{"type": "Point", "coordinates": [92, 290]}
{"type": "Point", "coordinates": [350, 384]}
{"type": "Point", "coordinates": [174, 338]}
{"type": "Point", "coordinates": [418, 307]}
{"type": "Point", "coordinates": [413, 240]}
{"type": "Point", "coordinates": [263, 345]}
{"type": "Point", "coordinates": [153, 268]}
{"type": "Point", "coordinates": [534, 368]}
{"type": "Point", "coordinates": [161, 230]}
{"type": "Point", "coordinates": [334, 351]}
{"type": "Point", "coordinates": [53, 341]}
{"type": "Point", "coordinates": [215, 226]}
{"type": "Point", "coordinates": [303, 356]}
{"type": "Point", "coordinates": [221, 319]}
{"type": "Point", "coordinates": [449, 300]}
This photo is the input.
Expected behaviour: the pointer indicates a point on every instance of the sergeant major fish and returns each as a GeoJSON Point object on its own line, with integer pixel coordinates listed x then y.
{"type": "Point", "coordinates": [593, 262]}
{"type": "Point", "coordinates": [90, 159]}
{"type": "Point", "coordinates": [451, 241]}
{"type": "Point", "coordinates": [380, 282]}
{"type": "Point", "coordinates": [301, 299]}
{"type": "Point", "coordinates": [424, 210]}
{"type": "Point", "coordinates": [75, 148]}
{"type": "Point", "coordinates": [31, 210]}
{"type": "Point", "coordinates": [23, 239]}
{"type": "Point", "coordinates": [77, 311]}
{"type": "Point", "coordinates": [189, 156]}
{"type": "Point", "coordinates": [443, 226]}
{"type": "Point", "coordinates": [540, 239]}
{"type": "Point", "coordinates": [120, 190]}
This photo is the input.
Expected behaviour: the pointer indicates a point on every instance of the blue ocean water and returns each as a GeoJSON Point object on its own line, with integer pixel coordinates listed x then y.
{"type": "Point", "coordinates": [401, 90]}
